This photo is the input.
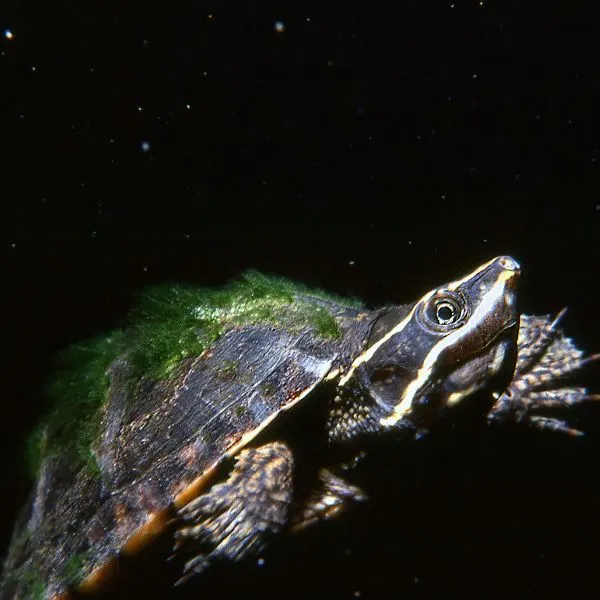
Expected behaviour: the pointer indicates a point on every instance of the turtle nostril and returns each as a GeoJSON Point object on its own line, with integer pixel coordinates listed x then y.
{"type": "Point", "coordinates": [509, 263]}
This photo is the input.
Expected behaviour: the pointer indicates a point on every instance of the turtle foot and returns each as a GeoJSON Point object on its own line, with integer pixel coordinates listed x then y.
{"type": "Point", "coordinates": [331, 496]}
{"type": "Point", "coordinates": [234, 519]}
{"type": "Point", "coordinates": [546, 360]}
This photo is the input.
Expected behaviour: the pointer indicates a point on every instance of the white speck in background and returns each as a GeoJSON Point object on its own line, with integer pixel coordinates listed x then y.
{"type": "Point", "coordinates": [279, 26]}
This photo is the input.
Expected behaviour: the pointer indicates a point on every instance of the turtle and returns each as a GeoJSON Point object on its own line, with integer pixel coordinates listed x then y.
{"type": "Point", "coordinates": [221, 417]}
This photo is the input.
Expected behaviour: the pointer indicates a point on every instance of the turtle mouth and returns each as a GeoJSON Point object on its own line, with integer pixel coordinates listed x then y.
{"type": "Point", "coordinates": [490, 369]}
{"type": "Point", "coordinates": [512, 322]}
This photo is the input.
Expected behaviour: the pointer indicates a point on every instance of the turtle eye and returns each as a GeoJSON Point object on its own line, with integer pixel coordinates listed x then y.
{"type": "Point", "coordinates": [446, 310]}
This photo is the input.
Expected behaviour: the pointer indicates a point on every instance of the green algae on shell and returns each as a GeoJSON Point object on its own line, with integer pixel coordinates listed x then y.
{"type": "Point", "coordinates": [77, 391]}
{"type": "Point", "coordinates": [170, 323]}
{"type": "Point", "coordinates": [167, 324]}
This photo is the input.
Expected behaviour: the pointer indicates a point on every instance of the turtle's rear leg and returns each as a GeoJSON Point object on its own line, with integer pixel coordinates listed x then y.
{"type": "Point", "coordinates": [235, 517]}
{"type": "Point", "coordinates": [327, 499]}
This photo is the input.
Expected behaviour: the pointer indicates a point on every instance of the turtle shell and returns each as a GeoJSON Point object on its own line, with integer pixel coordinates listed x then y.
{"type": "Point", "coordinates": [159, 438]}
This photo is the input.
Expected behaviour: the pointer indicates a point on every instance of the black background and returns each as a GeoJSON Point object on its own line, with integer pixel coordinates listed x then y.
{"type": "Point", "coordinates": [374, 149]}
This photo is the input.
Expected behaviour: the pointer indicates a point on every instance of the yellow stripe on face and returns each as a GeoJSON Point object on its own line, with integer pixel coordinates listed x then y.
{"type": "Point", "coordinates": [456, 284]}
{"type": "Point", "coordinates": [506, 262]}
{"type": "Point", "coordinates": [369, 352]}
{"type": "Point", "coordinates": [483, 309]}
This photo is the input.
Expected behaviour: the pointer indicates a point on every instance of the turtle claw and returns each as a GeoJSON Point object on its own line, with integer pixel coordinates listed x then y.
{"type": "Point", "coordinates": [578, 397]}
{"type": "Point", "coordinates": [191, 568]}
{"type": "Point", "coordinates": [558, 318]}
{"type": "Point", "coordinates": [551, 424]}
{"type": "Point", "coordinates": [591, 358]}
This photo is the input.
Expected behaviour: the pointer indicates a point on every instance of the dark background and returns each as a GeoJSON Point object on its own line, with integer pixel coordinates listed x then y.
{"type": "Point", "coordinates": [374, 149]}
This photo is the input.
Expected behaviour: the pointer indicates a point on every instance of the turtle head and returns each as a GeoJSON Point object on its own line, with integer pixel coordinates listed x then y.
{"type": "Point", "coordinates": [456, 342]}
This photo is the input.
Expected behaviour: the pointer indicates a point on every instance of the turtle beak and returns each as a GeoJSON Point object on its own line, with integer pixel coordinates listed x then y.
{"type": "Point", "coordinates": [493, 290]}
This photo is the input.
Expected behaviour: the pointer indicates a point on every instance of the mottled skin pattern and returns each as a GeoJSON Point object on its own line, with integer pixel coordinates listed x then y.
{"type": "Point", "coordinates": [214, 417]}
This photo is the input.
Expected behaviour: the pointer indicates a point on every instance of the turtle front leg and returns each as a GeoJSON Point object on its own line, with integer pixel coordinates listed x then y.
{"type": "Point", "coordinates": [235, 517]}
{"type": "Point", "coordinates": [546, 358]}
{"type": "Point", "coordinates": [330, 496]}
